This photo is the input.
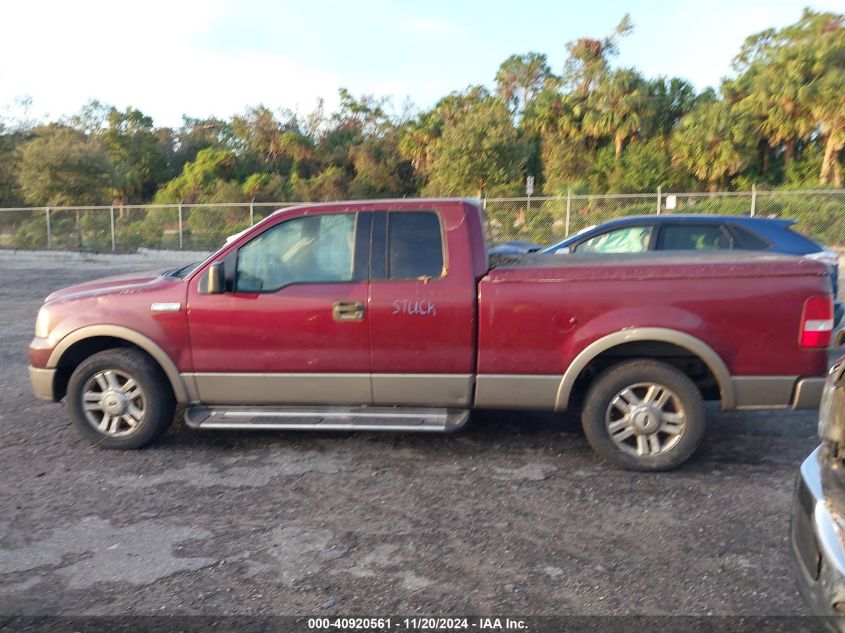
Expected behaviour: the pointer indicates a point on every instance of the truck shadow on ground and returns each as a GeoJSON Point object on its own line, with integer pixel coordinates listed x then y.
{"type": "Point", "coordinates": [741, 439]}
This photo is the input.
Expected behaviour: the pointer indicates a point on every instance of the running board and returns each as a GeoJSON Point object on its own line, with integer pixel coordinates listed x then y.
{"type": "Point", "coordinates": [327, 418]}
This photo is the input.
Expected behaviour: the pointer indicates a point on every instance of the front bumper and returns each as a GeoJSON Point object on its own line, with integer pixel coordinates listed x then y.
{"type": "Point", "coordinates": [817, 547]}
{"type": "Point", "coordinates": [42, 382]}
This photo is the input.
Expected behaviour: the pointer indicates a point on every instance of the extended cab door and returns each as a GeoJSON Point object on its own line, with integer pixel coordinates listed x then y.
{"type": "Point", "coordinates": [422, 308]}
{"type": "Point", "coordinates": [292, 326]}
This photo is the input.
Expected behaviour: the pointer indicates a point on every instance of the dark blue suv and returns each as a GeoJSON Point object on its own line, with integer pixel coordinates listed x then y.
{"type": "Point", "coordinates": [637, 234]}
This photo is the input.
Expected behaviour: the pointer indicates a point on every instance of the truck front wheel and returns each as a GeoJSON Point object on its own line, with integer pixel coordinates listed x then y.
{"type": "Point", "coordinates": [643, 415]}
{"type": "Point", "coordinates": [118, 399]}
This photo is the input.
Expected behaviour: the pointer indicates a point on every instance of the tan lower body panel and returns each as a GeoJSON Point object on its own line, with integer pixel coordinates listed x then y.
{"type": "Point", "coordinates": [281, 388]}
{"type": "Point", "coordinates": [42, 382]}
{"type": "Point", "coordinates": [445, 390]}
{"type": "Point", "coordinates": [763, 392]}
{"type": "Point", "coordinates": [516, 392]}
{"type": "Point", "coordinates": [808, 393]}
{"type": "Point", "coordinates": [435, 390]}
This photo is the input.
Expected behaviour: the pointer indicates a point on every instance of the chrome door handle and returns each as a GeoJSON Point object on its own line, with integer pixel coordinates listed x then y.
{"type": "Point", "coordinates": [348, 311]}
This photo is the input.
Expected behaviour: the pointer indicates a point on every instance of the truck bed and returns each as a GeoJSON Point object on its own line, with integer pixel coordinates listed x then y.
{"type": "Point", "coordinates": [538, 314]}
{"type": "Point", "coordinates": [665, 265]}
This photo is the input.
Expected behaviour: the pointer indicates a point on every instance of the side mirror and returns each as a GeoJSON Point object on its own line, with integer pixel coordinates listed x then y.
{"type": "Point", "coordinates": [563, 250]}
{"type": "Point", "coordinates": [213, 282]}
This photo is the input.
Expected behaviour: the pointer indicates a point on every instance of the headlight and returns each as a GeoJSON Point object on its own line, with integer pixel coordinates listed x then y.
{"type": "Point", "coordinates": [832, 406]}
{"type": "Point", "coordinates": [42, 323]}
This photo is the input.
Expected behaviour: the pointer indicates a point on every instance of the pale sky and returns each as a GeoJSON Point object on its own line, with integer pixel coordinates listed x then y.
{"type": "Point", "coordinates": [216, 57]}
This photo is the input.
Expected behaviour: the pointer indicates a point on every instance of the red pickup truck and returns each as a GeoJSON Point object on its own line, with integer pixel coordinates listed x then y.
{"type": "Point", "coordinates": [385, 315]}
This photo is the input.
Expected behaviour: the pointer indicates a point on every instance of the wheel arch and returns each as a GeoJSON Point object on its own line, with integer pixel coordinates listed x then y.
{"type": "Point", "coordinates": [693, 346]}
{"type": "Point", "coordinates": [86, 341]}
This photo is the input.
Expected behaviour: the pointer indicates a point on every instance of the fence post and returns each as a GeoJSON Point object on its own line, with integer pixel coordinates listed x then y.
{"type": "Point", "coordinates": [658, 200]}
{"type": "Point", "coordinates": [180, 225]}
{"type": "Point", "coordinates": [753, 198]}
{"type": "Point", "coordinates": [568, 210]}
{"type": "Point", "coordinates": [252, 211]}
{"type": "Point", "coordinates": [49, 231]}
{"type": "Point", "coordinates": [111, 219]}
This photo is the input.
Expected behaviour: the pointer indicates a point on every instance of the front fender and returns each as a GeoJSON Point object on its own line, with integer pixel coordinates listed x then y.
{"type": "Point", "coordinates": [126, 334]}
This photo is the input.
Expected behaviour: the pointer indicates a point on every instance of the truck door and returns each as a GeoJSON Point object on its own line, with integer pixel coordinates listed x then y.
{"type": "Point", "coordinates": [292, 326]}
{"type": "Point", "coordinates": [422, 312]}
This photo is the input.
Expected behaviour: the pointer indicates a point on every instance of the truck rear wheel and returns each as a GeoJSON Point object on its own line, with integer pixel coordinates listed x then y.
{"type": "Point", "coordinates": [643, 415]}
{"type": "Point", "coordinates": [119, 399]}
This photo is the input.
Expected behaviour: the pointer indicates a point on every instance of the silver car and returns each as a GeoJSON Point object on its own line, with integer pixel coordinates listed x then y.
{"type": "Point", "coordinates": [818, 513]}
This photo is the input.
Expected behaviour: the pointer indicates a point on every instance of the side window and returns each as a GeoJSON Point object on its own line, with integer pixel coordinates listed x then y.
{"type": "Point", "coordinates": [694, 237]}
{"type": "Point", "coordinates": [630, 239]}
{"type": "Point", "coordinates": [310, 249]}
{"type": "Point", "coordinates": [747, 240]}
{"type": "Point", "coordinates": [414, 245]}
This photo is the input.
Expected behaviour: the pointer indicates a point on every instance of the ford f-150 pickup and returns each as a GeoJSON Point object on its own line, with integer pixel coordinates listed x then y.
{"type": "Point", "coordinates": [385, 315]}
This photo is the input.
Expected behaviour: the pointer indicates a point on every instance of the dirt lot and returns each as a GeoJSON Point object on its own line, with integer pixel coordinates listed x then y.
{"type": "Point", "coordinates": [515, 515]}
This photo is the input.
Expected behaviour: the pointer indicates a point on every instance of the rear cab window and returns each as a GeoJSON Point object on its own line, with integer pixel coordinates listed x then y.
{"type": "Point", "coordinates": [414, 241]}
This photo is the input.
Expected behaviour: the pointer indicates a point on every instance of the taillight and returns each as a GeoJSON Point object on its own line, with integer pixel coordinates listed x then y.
{"type": "Point", "coordinates": [817, 321]}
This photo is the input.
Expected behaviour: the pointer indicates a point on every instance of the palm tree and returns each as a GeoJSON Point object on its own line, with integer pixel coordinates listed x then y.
{"type": "Point", "coordinates": [825, 95]}
{"type": "Point", "coordinates": [713, 142]}
{"type": "Point", "coordinates": [520, 78]}
{"type": "Point", "coordinates": [792, 81]}
{"type": "Point", "coordinates": [617, 108]}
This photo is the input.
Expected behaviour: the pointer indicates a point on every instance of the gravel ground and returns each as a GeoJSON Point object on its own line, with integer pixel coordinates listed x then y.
{"type": "Point", "coordinates": [514, 515]}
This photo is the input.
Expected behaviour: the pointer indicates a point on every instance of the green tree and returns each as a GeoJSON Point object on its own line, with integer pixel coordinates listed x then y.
{"type": "Point", "coordinates": [195, 135]}
{"type": "Point", "coordinates": [380, 170]}
{"type": "Point", "coordinates": [792, 80]}
{"type": "Point", "coordinates": [825, 93]}
{"type": "Point", "coordinates": [201, 178]}
{"type": "Point", "coordinates": [139, 161]}
{"type": "Point", "coordinates": [567, 162]}
{"type": "Point", "coordinates": [713, 142]}
{"type": "Point", "coordinates": [62, 166]}
{"type": "Point", "coordinates": [589, 58]}
{"type": "Point", "coordinates": [617, 108]}
{"type": "Point", "coordinates": [10, 192]}
{"type": "Point", "coordinates": [669, 100]}
{"type": "Point", "coordinates": [266, 138]}
{"type": "Point", "coordinates": [520, 78]}
{"type": "Point", "coordinates": [418, 137]}
{"type": "Point", "coordinates": [330, 184]}
{"type": "Point", "coordinates": [265, 187]}
{"type": "Point", "coordinates": [478, 152]}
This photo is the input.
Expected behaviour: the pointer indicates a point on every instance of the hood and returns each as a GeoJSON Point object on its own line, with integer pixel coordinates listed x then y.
{"type": "Point", "coordinates": [109, 285]}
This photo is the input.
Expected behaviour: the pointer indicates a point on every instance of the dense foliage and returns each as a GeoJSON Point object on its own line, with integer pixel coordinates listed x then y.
{"type": "Point", "coordinates": [778, 121]}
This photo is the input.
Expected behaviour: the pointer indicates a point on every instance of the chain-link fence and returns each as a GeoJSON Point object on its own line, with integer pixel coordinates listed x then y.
{"type": "Point", "coordinates": [819, 214]}
{"type": "Point", "coordinates": [198, 227]}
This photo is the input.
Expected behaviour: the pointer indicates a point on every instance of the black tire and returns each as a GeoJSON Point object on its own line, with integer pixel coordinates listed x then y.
{"type": "Point", "coordinates": [156, 403]}
{"type": "Point", "coordinates": [597, 416]}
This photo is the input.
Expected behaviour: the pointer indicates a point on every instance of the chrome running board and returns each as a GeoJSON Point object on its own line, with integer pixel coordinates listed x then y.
{"type": "Point", "coordinates": [327, 418]}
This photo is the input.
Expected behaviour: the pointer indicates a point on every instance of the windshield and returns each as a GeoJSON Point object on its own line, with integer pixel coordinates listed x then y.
{"type": "Point", "coordinates": [181, 273]}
